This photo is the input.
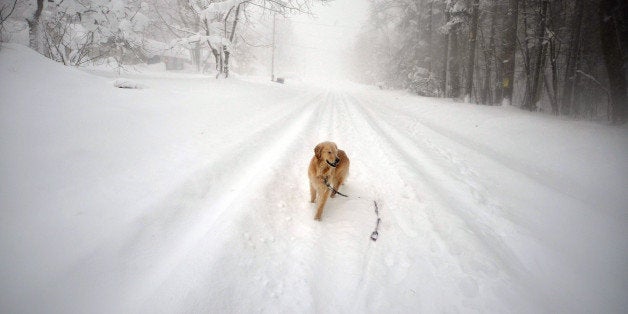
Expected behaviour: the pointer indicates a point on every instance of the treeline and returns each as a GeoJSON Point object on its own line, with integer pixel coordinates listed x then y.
{"type": "Point", "coordinates": [208, 34]}
{"type": "Point", "coordinates": [567, 57]}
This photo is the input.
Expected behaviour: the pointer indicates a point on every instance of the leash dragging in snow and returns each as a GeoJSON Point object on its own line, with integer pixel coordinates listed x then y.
{"type": "Point", "coordinates": [331, 188]}
{"type": "Point", "coordinates": [375, 234]}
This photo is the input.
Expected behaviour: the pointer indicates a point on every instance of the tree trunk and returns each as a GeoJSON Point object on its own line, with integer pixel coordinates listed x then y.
{"type": "Point", "coordinates": [454, 64]}
{"type": "Point", "coordinates": [231, 38]}
{"type": "Point", "coordinates": [217, 53]}
{"type": "Point", "coordinates": [567, 99]}
{"type": "Point", "coordinates": [196, 50]}
{"type": "Point", "coordinates": [33, 26]}
{"type": "Point", "coordinates": [446, 39]}
{"type": "Point", "coordinates": [509, 44]}
{"type": "Point", "coordinates": [196, 56]}
{"type": "Point", "coordinates": [492, 56]}
{"type": "Point", "coordinates": [489, 57]}
{"type": "Point", "coordinates": [486, 86]}
{"type": "Point", "coordinates": [526, 54]}
{"type": "Point", "coordinates": [534, 88]}
{"type": "Point", "coordinates": [429, 36]}
{"type": "Point", "coordinates": [553, 53]}
{"type": "Point", "coordinates": [473, 33]}
{"type": "Point", "coordinates": [613, 59]}
{"type": "Point", "coordinates": [226, 64]}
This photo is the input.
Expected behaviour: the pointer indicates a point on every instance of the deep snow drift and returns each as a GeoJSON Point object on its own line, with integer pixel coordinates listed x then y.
{"type": "Point", "coordinates": [191, 195]}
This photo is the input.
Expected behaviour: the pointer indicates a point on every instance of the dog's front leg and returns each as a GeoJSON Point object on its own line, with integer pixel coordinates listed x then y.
{"type": "Point", "coordinates": [322, 199]}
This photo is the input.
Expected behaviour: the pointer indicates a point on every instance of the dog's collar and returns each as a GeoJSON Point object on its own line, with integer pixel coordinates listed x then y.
{"type": "Point", "coordinates": [333, 165]}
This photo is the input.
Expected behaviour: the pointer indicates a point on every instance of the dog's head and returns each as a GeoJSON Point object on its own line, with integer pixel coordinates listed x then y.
{"type": "Point", "coordinates": [328, 152]}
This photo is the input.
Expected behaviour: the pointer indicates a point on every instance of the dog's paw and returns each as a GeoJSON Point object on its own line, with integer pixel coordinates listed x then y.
{"type": "Point", "coordinates": [318, 218]}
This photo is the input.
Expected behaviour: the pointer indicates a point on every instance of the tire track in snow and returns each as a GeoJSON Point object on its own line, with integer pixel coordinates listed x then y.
{"type": "Point", "coordinates": [528, 204]}
{"type": "Point", "coordinates": [304, 257]}
{"type": "Point", "coordinates": [469, 236]}
{"type": "Point", "coordinates": [244, 232]}
{"type": "Point", "coordinates": [465, 174]}
{"type": "Point", "coordinates": [353, 233]}
{"type": "Point", "coordinates": [388, 262]}
{"type": "Point", "coordinates": [498, 214]}
{"type": "Point", "coordinates": [444, 161]}
{"type": "Point", "coordinates": [293, 262]}
{"type": "Point", "coordinates": [542, 176]}
{"type": "Point", "coordinates": [304, 260]}
{"type": "Point", "coordinates": [151, 247]}
{"type": "Point", "coordinates": [493, 211]}
{"type": "Point", "coordinates": [371, 253]}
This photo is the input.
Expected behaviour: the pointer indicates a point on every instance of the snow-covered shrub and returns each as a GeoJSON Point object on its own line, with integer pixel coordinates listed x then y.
{"type": "Point", "coordinates": [128, 83]}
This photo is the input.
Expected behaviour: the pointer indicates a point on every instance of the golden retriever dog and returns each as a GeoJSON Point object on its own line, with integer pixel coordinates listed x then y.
{"type": "Point", "coordinates": [329, 165]}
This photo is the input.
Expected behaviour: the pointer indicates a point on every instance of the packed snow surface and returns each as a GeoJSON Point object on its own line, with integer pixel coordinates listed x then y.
{"type": "Point", "coordinates": [191, 196]}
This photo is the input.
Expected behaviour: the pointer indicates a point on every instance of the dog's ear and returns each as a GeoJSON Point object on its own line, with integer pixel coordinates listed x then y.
{"type": "Point", "coordinates": [318, 151]}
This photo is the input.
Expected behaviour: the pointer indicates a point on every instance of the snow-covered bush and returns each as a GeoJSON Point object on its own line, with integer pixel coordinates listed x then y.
{"type": "Point", "coordinates": [128, 84]}
{"type": "Point", "coordinates": [77, 31]}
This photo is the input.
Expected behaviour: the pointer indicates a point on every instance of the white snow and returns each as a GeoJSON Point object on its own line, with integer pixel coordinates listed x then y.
{"type": "Point", "coordinates": [192, 196]}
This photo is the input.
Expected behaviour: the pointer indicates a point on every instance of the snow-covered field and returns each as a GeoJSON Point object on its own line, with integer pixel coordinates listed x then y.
{"type": "Point", "coordinates": [191, 195]}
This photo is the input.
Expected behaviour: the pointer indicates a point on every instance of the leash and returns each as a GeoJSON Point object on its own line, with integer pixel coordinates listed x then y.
{"type": "Point", "coordinates": [331, 188]}
{"type": "Point", "coordinates": [375, 234]}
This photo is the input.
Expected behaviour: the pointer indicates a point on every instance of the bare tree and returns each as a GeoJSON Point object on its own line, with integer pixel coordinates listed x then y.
{"type": "Point", "coordinates": [446, 40]}
{"type": "Point", "coordinates": [222, 18]}
{"type": "Point", "coordinates": [572, 60]}
{"type": "Point", "coordinates": [509, 50]}
{"type": "Point", "coordinates": [34, 26]}
{"type": "Point", "coordinates": [489, 52]}
{"type": "Point", "coordinates": [5, 12]}
{"type": "Point", "coordinates": [473, 32]}
{"type": "Point", "coordinates": [613, 58]}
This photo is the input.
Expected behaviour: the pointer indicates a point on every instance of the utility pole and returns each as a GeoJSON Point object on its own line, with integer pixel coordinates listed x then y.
{"type": "Point", "coordinates": [272, 62]}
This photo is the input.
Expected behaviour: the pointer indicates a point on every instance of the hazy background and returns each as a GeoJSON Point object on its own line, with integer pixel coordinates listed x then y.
{"type": "Point", "coordinates": [563, 57]}
{"type": "Point", "coordinates": [323, 41]}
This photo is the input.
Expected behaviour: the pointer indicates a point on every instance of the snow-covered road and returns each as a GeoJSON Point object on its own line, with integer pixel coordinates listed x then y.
{"type": "Point", "coordinates": [191, 196]}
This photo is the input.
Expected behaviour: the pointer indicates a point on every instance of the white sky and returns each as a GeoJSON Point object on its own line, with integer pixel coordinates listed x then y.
{"type": "Point", "coordinates": [322, 41]}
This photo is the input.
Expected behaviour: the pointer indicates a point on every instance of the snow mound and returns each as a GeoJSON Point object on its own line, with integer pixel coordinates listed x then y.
{"type": "Point", "coordinates": [29, 69]}
{"type": "Point", "coordinates": [128, 83]}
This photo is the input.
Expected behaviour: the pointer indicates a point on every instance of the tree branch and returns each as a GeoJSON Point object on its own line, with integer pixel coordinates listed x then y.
{"type": "Point", "coordinates": [171, 28]}
{"type": "Point", "coordinates": [2, 19]}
